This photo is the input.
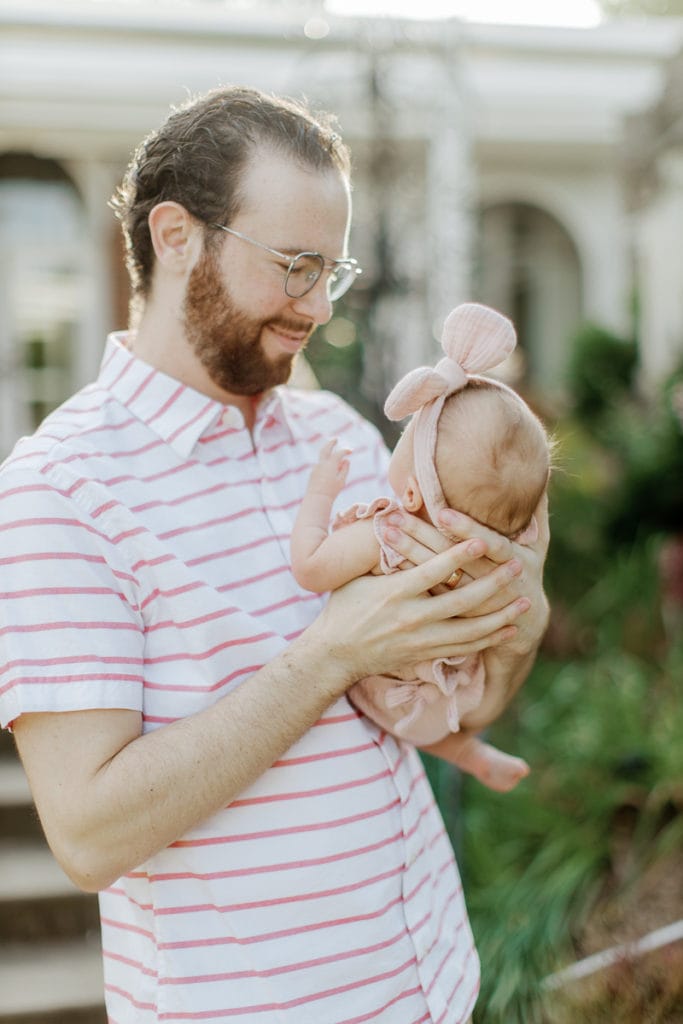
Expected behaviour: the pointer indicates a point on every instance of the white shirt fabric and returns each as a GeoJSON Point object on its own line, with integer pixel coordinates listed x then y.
{"type": "Point", "coordinates": [144, 557]}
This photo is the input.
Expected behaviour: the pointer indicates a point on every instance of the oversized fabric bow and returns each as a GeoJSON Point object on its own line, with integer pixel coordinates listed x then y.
{"type": "Point", "coordinates": [475, 338]}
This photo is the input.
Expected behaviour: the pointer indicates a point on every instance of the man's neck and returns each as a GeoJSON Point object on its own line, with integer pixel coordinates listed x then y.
{"type": "Point", "coordinates": [158, 341]}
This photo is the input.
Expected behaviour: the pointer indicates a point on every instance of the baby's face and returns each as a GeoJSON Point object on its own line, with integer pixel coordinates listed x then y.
{"type": "Point", "coordinates": [401, 465]}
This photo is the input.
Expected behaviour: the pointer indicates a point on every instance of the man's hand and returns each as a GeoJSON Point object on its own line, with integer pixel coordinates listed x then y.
{"type": "Point", "coordinates": [380, 624]}
{"type": "Point", "coordinates": [529, 582]}
{"type": "Point", "coordinates": [418, 540]}
{"type": "Point", "coordinates": [508, 662]}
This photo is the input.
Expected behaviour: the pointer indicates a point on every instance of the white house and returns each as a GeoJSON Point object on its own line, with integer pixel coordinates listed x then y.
{"type": "Point", "coordinates": [494, 162]}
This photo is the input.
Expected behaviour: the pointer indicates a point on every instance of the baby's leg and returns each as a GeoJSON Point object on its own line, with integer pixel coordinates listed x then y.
{"type": "Point", "coordinates": [492, 767]}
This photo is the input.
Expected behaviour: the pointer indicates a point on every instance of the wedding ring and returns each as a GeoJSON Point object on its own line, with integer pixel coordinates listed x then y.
{"type": "Point", "coordinates": [453, 579]}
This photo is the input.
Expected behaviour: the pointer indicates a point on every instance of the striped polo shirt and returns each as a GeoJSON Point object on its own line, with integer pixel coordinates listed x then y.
{"type": "Point", "coordinates": [144, 558]}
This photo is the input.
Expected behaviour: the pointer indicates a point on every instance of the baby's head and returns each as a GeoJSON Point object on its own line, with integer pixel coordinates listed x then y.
{"type": "Point", "coordinates": [492, 458]}
{"type": "Point", "coordinates": [473, 443]}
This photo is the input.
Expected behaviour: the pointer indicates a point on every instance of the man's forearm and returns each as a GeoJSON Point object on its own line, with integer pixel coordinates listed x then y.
{"type": "Point", "coordinates": [158, 786]}
{"type": "Point", "coordinates": [110, 798]}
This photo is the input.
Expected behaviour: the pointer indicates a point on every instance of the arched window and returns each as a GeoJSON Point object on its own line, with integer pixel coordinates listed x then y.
{"type": "Point", "coordinates": [528, 267]}
{"type": "Point", "coordinates": [41, 281]}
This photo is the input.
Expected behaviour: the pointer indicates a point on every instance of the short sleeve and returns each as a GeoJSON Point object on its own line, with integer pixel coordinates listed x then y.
{"type": "Point", "coordinates": [71, 633]}
{"type": "Point", "coordinates": [389, 559]}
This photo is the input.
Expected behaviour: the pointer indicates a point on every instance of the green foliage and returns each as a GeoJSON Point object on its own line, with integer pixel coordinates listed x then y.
{"type": "Point", "coordinates": [579, 512]}
{"type": "Point", "coordinates": [649, 494]}
{"type": "Point", "coordinates": [619, 475]}
{"type": "Point", "coordinates": [598, 734]}
{"type": "Point", "coordinates": [600, 371]}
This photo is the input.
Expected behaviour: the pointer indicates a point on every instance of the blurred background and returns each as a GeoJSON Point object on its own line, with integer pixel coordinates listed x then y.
{"type": "Point", "coordinates": [524, 153]}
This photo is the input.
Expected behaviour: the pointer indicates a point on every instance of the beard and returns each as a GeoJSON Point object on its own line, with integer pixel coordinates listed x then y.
{"type": "Point", "coordinates": [226, 340]}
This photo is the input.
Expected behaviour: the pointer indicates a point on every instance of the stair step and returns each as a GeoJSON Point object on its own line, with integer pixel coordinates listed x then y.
{"type": "Point", "coordinates": [51, 982]}
{"type": "Point", "coordinates": [86, 1015]}
{"type": "Point", "coordinates": [29, 871]}
{"type": "Point", "coordinates": [7, 745]}
{"type": "Point", "coordinates": [14, 788]}
{"type": "Point", "coordinates": [18, 817]}
{"type": "Point", "coordinates": [50, 960]}
{"type": "Point", "coordinates": [38, 901]}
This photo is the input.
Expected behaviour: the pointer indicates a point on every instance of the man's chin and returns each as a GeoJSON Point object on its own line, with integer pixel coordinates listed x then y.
{"type": "Point", "coordinates": [277, 372]}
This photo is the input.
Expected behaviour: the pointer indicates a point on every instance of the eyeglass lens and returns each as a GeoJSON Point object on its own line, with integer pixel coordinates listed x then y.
{"type": "Point", "coordinates": [303, 274]}
{"type": "Point", "coordinates": [305, 271]}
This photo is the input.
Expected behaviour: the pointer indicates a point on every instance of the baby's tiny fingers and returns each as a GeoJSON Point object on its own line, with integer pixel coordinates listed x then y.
{"type": "Point", "coordinates": [328, 448]}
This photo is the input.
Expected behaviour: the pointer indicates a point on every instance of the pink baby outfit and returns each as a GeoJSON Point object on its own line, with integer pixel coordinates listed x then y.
{"type": "Point", "coordinates": [425, 702]}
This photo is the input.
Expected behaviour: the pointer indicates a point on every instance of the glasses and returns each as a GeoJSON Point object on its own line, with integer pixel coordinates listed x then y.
{"type": "Point", "coordinates": [305, 269]}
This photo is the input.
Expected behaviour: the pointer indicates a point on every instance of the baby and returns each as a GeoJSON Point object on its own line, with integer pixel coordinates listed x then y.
{"type": "Point", "coordinates": [472, 445]}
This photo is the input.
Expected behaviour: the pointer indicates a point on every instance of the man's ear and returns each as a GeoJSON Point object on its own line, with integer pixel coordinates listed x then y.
{"type": "Point", "coordinates": [174, 233]}
{"type": "Point", "coordinates": [411, 499]}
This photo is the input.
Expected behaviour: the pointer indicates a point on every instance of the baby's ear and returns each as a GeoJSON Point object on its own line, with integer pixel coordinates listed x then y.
{"type": "Point", "coordinates": [411, 499]}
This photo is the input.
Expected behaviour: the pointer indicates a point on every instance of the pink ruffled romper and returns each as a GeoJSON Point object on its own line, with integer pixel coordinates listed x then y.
{"type": "Point", "coordinates": [425, 702]}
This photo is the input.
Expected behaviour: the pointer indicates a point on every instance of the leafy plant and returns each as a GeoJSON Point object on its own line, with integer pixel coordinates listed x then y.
{"type": "Point", "coordinates": [649, 494]}
{"type": "Point", "coordinates": [601, 735]}
{"type": "Point", "coordinates": [600, 371]}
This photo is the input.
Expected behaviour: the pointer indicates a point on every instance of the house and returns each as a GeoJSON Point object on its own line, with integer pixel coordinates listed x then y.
{"type": "Point", "coordinates": [491, 162]}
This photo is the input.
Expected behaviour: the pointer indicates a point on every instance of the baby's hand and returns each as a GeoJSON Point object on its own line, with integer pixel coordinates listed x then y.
{"type": "Point", "coordinates": [329, 474]}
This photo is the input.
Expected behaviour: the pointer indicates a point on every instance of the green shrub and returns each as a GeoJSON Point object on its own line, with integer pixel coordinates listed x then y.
{"type": "Point", "coordinates": [600, 371]}
{"type": "Point", "coordinates": [600, 734]}
{"type": "Point", "coordinates": [600, 725]}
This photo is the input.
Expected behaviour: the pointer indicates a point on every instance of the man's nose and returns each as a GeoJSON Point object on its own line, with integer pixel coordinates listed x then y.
{"type": "Point", "coordinates": [316, 304]}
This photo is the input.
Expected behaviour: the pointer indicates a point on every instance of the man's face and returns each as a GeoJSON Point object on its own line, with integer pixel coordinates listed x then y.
{"type": "Point", "coordinates": [238, 320]}
{"type": "Point", "coordinates": [228, 339]}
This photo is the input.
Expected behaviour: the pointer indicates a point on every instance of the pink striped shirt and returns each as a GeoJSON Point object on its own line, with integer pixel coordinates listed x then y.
{"type": "Point", "coordinates": [144, 564]}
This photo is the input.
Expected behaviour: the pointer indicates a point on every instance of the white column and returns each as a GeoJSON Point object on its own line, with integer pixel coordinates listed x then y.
{"type": "Point", "coordinates": [605, 253]}
{"type": "Point", "coordinates": [96, 181]}
{"type": "Point", "coordinates": [660, 273]}
{"type": "Point", "coordinates": [450, 195]}
{"type": "Point", "coordinates": [10, 407]}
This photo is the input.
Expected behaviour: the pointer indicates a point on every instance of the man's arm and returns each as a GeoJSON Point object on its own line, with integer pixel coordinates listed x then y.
{"type": "Point", "coordinates": [109, 797]}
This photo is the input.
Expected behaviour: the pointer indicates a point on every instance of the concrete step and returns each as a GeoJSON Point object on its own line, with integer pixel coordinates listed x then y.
{"type": "Point", "coordinates": [18, 817]}
{"type": "Point", "coordinates": [37, 900]}
{"type": "Point", "coordinates": [50, 961]}
{"type": "Point", "coordinates": [51, 983]}
{"type": "Point", "coordinates": [28, 870]}
{"type": "Point", "coordinates": [14, 788]}
{"type": "Point", "coordinates": [7, 747]}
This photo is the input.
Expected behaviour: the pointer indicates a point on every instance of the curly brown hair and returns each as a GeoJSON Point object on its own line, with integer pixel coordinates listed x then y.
{"type": "Point", "coordinates": [197, 156]}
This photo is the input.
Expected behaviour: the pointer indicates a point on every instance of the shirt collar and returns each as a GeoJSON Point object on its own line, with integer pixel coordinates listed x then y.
{"type": "Point", "coordinates": [178, 414]}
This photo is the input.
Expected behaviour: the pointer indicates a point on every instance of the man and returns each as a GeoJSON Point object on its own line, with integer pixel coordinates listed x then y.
{"type": "Point", "coordinates": [262, 852]}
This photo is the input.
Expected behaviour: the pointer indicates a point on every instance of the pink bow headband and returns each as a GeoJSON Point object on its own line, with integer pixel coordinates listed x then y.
{"type": "Point", "coordinates": [475, 338]}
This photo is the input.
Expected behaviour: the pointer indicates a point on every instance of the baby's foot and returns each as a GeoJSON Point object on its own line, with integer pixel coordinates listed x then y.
{"type": "Point", "coordinates": [493, 767]}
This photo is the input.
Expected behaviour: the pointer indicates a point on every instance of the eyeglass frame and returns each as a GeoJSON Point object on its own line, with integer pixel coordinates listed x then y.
{"type": "Point", "coordinates": [327, 263]}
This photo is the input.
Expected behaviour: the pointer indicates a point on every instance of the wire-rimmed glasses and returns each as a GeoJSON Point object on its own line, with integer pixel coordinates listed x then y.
{"type": "Point", "coordinates": [304, 270]}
